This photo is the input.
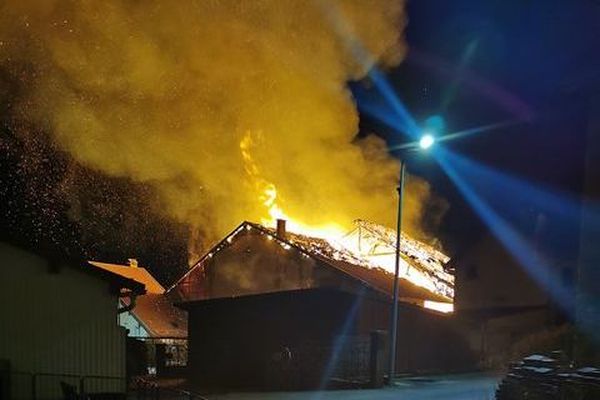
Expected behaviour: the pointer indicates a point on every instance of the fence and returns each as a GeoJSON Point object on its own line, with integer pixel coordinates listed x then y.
{"type": "Point", "coordinates": [343, 361]}
{"type": "Point", "coordinates": [346, 361]}
{"type": "Point", "coordinates": [353, 360]}
{"type": "Point", "coordinates": [46, 386]}
{"type": "Point", "coordinates": [37, 386]}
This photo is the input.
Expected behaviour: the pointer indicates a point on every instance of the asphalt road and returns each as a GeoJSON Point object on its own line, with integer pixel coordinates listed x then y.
{"type": "Point", "coordinates": [455, 387]}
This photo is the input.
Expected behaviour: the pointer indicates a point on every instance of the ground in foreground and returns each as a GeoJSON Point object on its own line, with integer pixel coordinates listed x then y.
{"type": "Point", "coordinates": [451, 387]}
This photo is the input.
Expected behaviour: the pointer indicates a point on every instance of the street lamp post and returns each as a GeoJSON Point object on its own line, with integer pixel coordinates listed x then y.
{"type": "Point", "coordinates": [427, 140]}
{"type": "Point", "coordinates": [394, 321]}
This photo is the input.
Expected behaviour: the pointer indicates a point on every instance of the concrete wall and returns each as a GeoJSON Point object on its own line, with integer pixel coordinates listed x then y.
{"type": "Point", "coordinates": [61, 322]}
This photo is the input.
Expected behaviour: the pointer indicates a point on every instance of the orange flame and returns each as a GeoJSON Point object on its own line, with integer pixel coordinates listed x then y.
{"type": "Point", "coordinates": [342, 240]}
{"type": "Point", "coordinates": [267, 193]}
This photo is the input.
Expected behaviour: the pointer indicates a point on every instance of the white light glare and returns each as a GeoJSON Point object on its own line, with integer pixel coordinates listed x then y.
{"type": "Point", "coordinates": [426, 141]}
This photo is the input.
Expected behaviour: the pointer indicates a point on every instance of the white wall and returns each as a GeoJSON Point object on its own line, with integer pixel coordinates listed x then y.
{"type": "Point", "coordinates": [61, 322]}
{"type": "Point", "coordinates": [129, 322]}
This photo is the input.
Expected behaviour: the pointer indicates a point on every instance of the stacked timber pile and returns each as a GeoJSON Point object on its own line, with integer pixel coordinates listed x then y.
{"type": "Point", "coordinates": [541, 377]}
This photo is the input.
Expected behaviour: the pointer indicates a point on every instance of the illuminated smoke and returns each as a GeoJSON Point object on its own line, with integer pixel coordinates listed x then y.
{"type": "Point", "coordinates": [165, 93]}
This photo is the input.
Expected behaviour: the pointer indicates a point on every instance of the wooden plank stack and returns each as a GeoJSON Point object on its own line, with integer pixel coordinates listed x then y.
{"type": "Point", "coordinates": [549, 377]}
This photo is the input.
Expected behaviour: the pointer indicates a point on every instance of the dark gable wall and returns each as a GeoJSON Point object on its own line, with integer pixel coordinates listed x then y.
{"type": "Point", "coordinates": [253, 264]}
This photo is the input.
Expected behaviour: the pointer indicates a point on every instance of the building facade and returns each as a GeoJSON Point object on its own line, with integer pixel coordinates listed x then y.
{"type": "Point", "coordinates": [59, 323]}
{"type": "Point", "coordinates": [500, 306]}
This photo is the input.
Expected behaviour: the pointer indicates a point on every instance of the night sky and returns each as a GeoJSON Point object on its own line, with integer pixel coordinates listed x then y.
{"type": "Point", "coordinates": [481, 62]}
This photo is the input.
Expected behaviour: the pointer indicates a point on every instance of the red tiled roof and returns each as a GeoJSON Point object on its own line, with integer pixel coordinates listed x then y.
{"type": "Point", "coordinates": [154, 310]}
{"type": "Point", "coordinates": [157, 313]}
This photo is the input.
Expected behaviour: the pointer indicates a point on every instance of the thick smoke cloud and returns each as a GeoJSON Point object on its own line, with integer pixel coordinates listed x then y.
{"type": "Point", "coordinates": [166, 92]}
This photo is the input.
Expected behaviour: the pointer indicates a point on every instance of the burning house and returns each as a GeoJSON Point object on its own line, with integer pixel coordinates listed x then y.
{"type": "Point", "coordinates": [267, 307]}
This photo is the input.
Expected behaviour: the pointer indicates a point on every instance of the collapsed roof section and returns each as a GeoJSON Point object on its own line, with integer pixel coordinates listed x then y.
{"type": "Point", "coordinates": [420, 263]}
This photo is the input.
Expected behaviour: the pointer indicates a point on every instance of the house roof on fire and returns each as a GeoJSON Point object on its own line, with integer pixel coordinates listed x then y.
{"type": "Point", "coordinates": [341, 260]}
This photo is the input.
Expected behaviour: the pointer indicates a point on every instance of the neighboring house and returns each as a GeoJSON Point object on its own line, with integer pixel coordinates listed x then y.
{"type": "Point", "coordinates": [156, 328]}
{"type": "Point", "coordinates": [497, 301]}
{"type": "Point", "coordinates": [58, 323]}
{"type": "Point", "coordinates": [588, 282]}
{"type": "Point", "coordinates": [154, 314]}
{"type": "Point", "coordinates": [487, 277]}
{"type": "Point", "coordinates": [261, 297]}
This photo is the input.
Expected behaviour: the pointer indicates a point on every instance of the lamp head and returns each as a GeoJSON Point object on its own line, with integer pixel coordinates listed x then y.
{"type": "Point", "coordinates": [427, 140]}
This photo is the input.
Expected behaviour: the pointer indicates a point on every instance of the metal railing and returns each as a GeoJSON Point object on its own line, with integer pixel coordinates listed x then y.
{"type": "Point", "coordinates": [37, 385]}
{"type": "Point", "coordinates": [347, 359]}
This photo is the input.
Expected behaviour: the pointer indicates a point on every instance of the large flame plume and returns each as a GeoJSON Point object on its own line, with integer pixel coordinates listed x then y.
{"type": "Point", "coordinates": [232, 110]}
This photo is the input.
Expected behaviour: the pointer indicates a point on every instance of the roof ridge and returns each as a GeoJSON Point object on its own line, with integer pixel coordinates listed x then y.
{"type": "Point", "coordinates": [138, 274]}
{"type": "Point", "coordinates": [212, 250]}
{"type": "Point", "coordinates": [322, 258]}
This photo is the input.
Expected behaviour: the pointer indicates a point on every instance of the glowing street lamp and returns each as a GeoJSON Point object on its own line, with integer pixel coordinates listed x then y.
{"type": "Point", "coordinates": [426, 141]}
